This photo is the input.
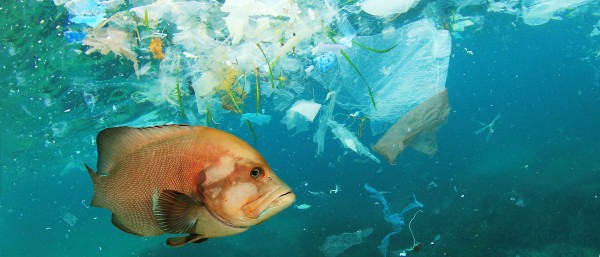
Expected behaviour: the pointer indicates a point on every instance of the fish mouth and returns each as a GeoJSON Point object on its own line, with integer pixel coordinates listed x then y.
{"type": "Point", "coordinates": [270, 204]}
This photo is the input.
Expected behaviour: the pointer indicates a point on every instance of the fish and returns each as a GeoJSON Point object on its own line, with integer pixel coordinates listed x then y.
{"type": "Point", "coordinates": [180, 179]}
{"type": "Point", "coordinates": [302, 206]}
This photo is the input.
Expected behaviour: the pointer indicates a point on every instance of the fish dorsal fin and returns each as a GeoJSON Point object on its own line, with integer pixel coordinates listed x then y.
{"type": "Point", "coordinates": [176, 212]}
{"type": "Point", "coordinates": [113, 143]}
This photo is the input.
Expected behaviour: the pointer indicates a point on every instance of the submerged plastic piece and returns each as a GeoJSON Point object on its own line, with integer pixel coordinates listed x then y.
{"type": "Point", "coordinates": [258, 119]}
{"type": "Point", "coordinates": [69, 218]}
{"type": "Point", "coordinates": [74, 36]}
{"type": "Point", "coordinates": [347, 31]}
{"type": "Point", "coordinates": [319, 136]}
{"type": "Point", "coordinates": [349, 140]}
{"type": "Point", "coordinates": [91, 21]}
{"type": "Point", "coordinates": [239, 12]}
{"type": "Point", "coordinates": [595, 30]}
{"type": "Point", "coordinates": [538, 12]}
{"type": "Point", "coordinates": [459, 23]}
{"type": "Point", "coordinates": [401, 78]}
{"type": "Point", "coordinates": [325, 61]}
{"type": "Point", "coordinates": [386, 7]}
{"type": "Point", "coordinates": [336, 244]}
{"type": "Point", "coordinates": [506, 6]}
{"type": "Point", "coordinates": [300, 114]}
{"type": "Point", "coordinates": [106, 40]}
{"type": "Point", "coordinates": [416, 128]}
{"type": "Point", "coordinates": [396, 219]}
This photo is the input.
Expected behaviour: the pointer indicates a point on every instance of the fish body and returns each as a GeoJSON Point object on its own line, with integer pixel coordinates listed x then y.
{"type": "Point", "coordinates": [179, 179]}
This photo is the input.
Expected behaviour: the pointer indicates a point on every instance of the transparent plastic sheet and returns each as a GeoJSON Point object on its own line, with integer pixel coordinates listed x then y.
{"type": "Point", "coordinates": [386, 8]}
{"type": "Point", "coordinates": [319, 136]}
{"type": "Point", "coordinates": [538, 12]}
{"type": "Point", "coordinates": [300, 115]}
{"type": "Point", "coordinates": [336, 244]}
{"type": "Point", "coordinates": [349, 140]}
{"type": "Point", "coordinates": [400, 79]}
{"type": "Point", "coordinates": [258, 119]}
{"type": "Point", "coordinates": [417, 128]}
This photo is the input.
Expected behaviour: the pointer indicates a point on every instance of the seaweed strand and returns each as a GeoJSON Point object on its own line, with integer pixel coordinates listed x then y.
{"type": "Point", "coordinates": [268, 64]}
{"type": "Point", "coordinates": [179, 101]}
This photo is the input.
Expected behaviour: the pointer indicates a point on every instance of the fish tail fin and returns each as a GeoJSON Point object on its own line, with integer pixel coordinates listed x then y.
{"type": "Point", "coordinates": [95, 177]}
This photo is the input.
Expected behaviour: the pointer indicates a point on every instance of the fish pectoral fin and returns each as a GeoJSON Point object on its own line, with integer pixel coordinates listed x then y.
{"type": "Point", "coordinates": [176, 212]}
{"type": "Point", "coordinates": [181, 240]}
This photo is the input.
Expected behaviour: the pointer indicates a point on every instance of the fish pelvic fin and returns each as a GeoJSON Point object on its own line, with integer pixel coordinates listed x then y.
{"type": "Point", "coordinates": [179, 241]}
{"type": "Point", "coordinates": [176, 212]}
{"type": "Point", "coordinates": [117, 222]}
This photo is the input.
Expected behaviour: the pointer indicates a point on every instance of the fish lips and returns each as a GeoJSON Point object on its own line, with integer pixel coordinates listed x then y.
{"type": "Point", "coordinates": [269, 204]}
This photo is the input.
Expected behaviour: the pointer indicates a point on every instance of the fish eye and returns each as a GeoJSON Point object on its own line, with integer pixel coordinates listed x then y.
{"type": "Point", "coordinates": [257, 173]}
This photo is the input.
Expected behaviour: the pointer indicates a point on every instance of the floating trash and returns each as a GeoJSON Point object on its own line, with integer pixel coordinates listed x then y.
{"type": "Point", "coordinates": [70, 218]}
{"type": "Point", "coordinates": [336, 244]}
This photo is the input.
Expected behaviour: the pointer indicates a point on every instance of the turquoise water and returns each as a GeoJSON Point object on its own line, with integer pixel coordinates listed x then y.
{"type": "Point", "coordinates": [530, 186]}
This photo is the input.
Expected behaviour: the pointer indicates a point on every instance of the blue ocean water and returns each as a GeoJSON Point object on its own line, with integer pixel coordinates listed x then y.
{"type": "Point", "coordinates": [529, 186]}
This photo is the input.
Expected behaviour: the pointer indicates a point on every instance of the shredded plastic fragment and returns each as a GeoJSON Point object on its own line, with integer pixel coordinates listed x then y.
{"type": "Point", "coordinates": [300, 115]}
{"type": "Point", "coordinates": [349, 140]}
{"type": "Point", "coordinates": [258, 119]}
{"type": "Point", "coordinates": [336, 244]}
{"type": "Point", "coordinates": [386, 8]}
{"type": "Point", "coordinates": [395, 219]}
{"type": "Point", "coordinates": [538, 12]}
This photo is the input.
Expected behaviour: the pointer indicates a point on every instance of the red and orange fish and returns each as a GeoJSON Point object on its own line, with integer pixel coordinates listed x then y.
{"type": "Point", "coordinates": [184, 180]}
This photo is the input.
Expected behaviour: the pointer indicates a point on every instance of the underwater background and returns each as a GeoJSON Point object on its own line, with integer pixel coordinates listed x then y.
{"type": "Point", "coordinates": [529, 185]}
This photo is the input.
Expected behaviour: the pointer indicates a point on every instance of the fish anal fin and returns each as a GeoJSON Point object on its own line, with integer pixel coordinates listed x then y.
{"type": "Point", "coordinates": [179, 241]}
{"type": "Point", "coordinates": [113, 143]}
{"type": "Point", "coordinates": [176, 212]}
{"type": "Point", "coordinates": [119, 224]}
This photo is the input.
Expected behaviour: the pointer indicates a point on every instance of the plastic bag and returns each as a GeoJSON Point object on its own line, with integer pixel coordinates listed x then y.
{"type": "Point", "coordinates": [400, 79]}
{"type": "Point", "coordinates": [416, 128]}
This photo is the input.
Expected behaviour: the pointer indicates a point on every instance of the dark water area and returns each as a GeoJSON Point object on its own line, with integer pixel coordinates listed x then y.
{"type": "Point", "coordinates": [528, 185]}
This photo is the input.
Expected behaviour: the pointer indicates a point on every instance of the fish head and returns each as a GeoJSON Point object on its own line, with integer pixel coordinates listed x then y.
{"type": "Point", "coordinates": [241, 190]}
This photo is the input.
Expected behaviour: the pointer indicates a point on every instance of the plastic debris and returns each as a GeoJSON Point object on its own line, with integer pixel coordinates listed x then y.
{"type": "Point", "coordinates": [258, 119]}
{"type": "Point", "coordinates": [300, 114]}
{"type": "Point", "coordinates": [106, 40]}
{"type": "Point", "coordinates": [395, 219]}
{"type": "Point", "coordinates": [417, 128]}
{"type": "Point", "coordinates": [595, 30]}
{"type": "Point", "coordinates": [74, 36]}
{"type": "Point", "coordinates": [538, 12]}
{"type": "Point", "coordinates": [349, 140]}
{"type": "Point", "coordinates": [336, 244]}
{"type": "Point", "coordinates": [488, 127]}
{"type": "Point", "coordinates": [508, 6]}
{"type": "Point", "coordinates": [400, 79]}
{"type": "Point", "coordinates": [70, 218]}
{"type": "Point", "coordinates": [319, 136]}
{"type": "Point", "coordinates": [347, 31]}
{"type": "Point", "coordinates": [386, 8]}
